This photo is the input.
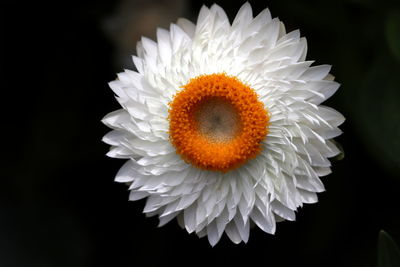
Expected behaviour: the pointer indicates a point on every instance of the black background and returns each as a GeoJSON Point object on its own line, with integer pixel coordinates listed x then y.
{"type": "Point", "coordinates": [59, 205]}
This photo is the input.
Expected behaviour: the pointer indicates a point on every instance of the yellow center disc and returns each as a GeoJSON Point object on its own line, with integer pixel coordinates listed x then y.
{"type": "Point", "coordinates": [217, 123]}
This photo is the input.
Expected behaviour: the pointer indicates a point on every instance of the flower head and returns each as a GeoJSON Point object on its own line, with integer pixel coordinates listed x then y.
{"type": "Point", "coordinates": [222, 124]}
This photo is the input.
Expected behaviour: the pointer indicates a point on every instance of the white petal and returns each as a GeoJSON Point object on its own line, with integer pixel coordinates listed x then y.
{"type": "Point", "coordinates": [136, 195]}
{"type": "Point", "coordinates": [164, 46]}
{"type": "Point", "coordinates": [310, 184]}
{"type": "Point", "coordinates": [308, 197]}
{"type": "Point", "coordinates": [283, 211]}
{"type": "Point", "coordinates": [233, 233]}
{"type": "Point", "coordinates": [152, 148]}
{"type": "Point", "coordinates": [266, 223]}
{"type": "Point", "coordinates": [316, 73]}
{"type": "Point", "coordinates": [243, 17]}
{"type": "Point", "coordinates": [259, 21]}
{"type": "Point", "coordinates": [178, 37]}
{"type": "Point", "coordinates": [187, 26]}
{"type": "Point", "coordinates": [212, 234]}
{"type": "Point", "coordinates": [115, 118]}
{"type": "Point", "coordinates": [126, 173]}
{"type": "Point", "coordinates": [222, 220]}
{"type": "Point", "coordinates": [150, 51]}
{"type": "Point", "coordinates": [243, 228]}
{"type": "Point", "coordinates": [166, 219]}
{"type": "Point", "coordinates": [190, 218]}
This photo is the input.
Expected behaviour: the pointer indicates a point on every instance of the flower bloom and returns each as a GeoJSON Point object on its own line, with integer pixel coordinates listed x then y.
{"type": "Point", "coordinates": [222, 124]}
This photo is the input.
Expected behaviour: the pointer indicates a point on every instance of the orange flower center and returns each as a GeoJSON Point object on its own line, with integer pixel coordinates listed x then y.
{"type": "Point", "coordinates": [217, 123]}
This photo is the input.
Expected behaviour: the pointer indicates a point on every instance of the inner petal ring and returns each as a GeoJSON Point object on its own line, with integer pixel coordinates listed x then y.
{"type": "Point", "coordinates": [217, 123]}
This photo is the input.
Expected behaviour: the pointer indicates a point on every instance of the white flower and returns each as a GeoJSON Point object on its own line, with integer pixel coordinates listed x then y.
{"type": "Point", "coordinates": [222, 124]}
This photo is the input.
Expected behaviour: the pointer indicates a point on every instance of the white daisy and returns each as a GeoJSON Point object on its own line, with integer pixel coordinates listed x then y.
{"type": "Point", "coordinates": [222, 124]}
